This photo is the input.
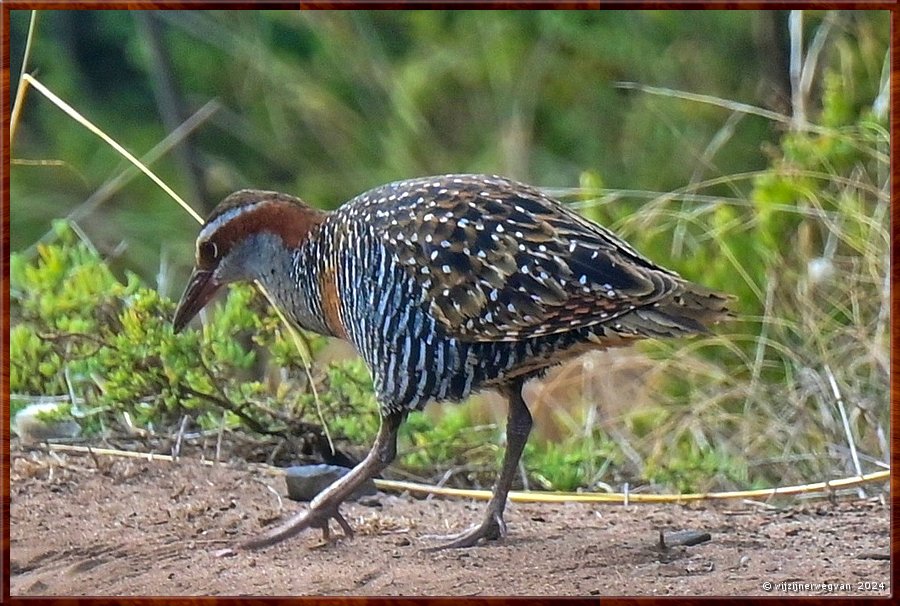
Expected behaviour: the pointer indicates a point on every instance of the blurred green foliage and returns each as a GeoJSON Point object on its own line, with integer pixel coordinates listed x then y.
{"type": "Point", "coordinates": [326, 104]}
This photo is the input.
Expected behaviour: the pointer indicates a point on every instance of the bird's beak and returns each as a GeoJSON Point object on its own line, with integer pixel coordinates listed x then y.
{"type": "Point", "coordinates": [200, 289]}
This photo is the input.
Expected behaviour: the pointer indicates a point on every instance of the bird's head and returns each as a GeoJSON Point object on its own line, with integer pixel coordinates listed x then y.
{"type": "Point", "coordinates": [238, 242]}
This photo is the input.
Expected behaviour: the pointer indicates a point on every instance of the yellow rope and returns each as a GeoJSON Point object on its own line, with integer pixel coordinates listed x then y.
{"type": "Point", "coordinates": [539, 496]}
{"type": "Point", "coordinates": [618, 497]}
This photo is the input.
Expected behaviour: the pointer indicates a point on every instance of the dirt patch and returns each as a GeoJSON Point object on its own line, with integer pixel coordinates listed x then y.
{"type": "Point", "coordinates": [134, 527]}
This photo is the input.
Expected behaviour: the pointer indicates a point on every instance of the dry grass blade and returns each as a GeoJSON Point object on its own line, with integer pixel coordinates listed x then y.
{"type": "Point", "coordinates": [746, 108]}
{"type": "Point", "coordinates": [305, 356]}
{"type": "Point", "coordinates": [110, 187]}
{"type": "Point", "coordinates": [846, 423]}
{"type": "Point", "coordinates": [735, 106]}
{"type": "Point", "coordinates": [21, 90]}
{"type": "Point", "coordinates": [71, 111]}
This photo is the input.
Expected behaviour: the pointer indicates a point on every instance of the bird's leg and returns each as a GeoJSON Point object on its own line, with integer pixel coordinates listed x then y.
{"type": "Point", "coordinates": [518, 426]}
{"type": "Point", "coordinates": [325, 506]}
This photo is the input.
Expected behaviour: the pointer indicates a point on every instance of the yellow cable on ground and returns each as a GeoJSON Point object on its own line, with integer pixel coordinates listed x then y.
{"type": "Point", "coordinates": [540, 496]}
{"type": "Point", "coordinates": [619, 497]}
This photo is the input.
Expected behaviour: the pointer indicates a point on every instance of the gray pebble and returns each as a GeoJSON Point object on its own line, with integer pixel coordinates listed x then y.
{"type": "Point", "coordinates": [304, 482]}
{"type": "Point", "coordinates": [31, 425]}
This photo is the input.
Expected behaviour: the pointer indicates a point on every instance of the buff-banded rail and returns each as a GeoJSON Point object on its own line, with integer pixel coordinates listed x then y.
{"type": "Point", "coordinates": [445, 286]}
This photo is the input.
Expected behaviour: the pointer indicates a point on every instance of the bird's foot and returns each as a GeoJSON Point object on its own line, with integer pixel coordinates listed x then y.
{"type": "Point", "coordinates": [316, 517]}
{"type": "Point", "coordinates": [322, 523]}
{"type": "Point", "coordinates": [492, 528]}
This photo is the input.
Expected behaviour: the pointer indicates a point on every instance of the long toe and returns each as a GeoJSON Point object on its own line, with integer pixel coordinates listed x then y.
{"type": "Point", "coordinates": [343, 523]}
{"type": "Point", "coordinates": [312, 518]}
{"type": "Point", "coordinates": [489, 530]}
{"type": "Point", "coordinates": [323, 523]}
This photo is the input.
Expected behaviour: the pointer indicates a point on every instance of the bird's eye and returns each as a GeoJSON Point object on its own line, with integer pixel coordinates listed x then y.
{"type": "Point", "coordinates": [207, 252]}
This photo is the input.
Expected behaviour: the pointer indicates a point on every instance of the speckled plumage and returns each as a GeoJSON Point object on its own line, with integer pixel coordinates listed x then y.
{"type": "Point", "coordinates": [448, 284]}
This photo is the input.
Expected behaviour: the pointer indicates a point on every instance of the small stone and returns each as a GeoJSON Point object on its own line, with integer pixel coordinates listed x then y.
{"type": "Point", "coordinates": [44, 421]}
{"type": "Point", "coordinates": [688, 538]}
{"type": "Point", "coordinates": [370, 500]}
{"type": "Point", "coordinates": [304, 482]}
{"type": "Point", "coordinates": [874, 555]}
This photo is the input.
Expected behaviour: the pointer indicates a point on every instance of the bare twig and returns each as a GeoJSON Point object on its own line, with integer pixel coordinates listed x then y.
{"type": "Point", "coordinates": [812, 55]}
{"type": "Point", "coordinates": [274, 492]}
{"type": "Point", "coordinates": [237, 409]}
{"type": "Point", "coordinates": [31, 398]}
{"type": "Point", "coordinates": [93, 457]}
{"type": "Point", "coordinates": [759, 358]}
{"type": "Point", "coordinates": [726, 103]}
{"type": "Point", "coordinates": [219, 438]}
{"type": "Point", "coordinates": [706, 161]}
{"type": "Point", "coordinates": [64, 338]}
{"type": "Point", "coordinates": [169, 99]}
{"type": "Point", "coordinates": [176, 450]}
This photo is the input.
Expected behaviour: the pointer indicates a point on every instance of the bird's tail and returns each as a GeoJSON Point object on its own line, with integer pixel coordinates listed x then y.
{"type": "Point", "coordinates": [690, 309]}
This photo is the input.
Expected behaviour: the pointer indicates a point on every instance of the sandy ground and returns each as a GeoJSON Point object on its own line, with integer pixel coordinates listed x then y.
{"type": "Point", "coordinates": [133, 527]}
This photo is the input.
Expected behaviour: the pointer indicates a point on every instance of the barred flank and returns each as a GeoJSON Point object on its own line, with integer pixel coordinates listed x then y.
{"type": "Point", "coordinates": [449, 284]}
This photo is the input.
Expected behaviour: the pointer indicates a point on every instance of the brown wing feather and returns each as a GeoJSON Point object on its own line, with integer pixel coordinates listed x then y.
{"type": "Point", "coordinates": [500, 261]}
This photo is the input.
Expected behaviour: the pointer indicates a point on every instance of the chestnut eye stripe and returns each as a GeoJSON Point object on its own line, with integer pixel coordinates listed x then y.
{"type": "Point", "coordinates": [249, 212]}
